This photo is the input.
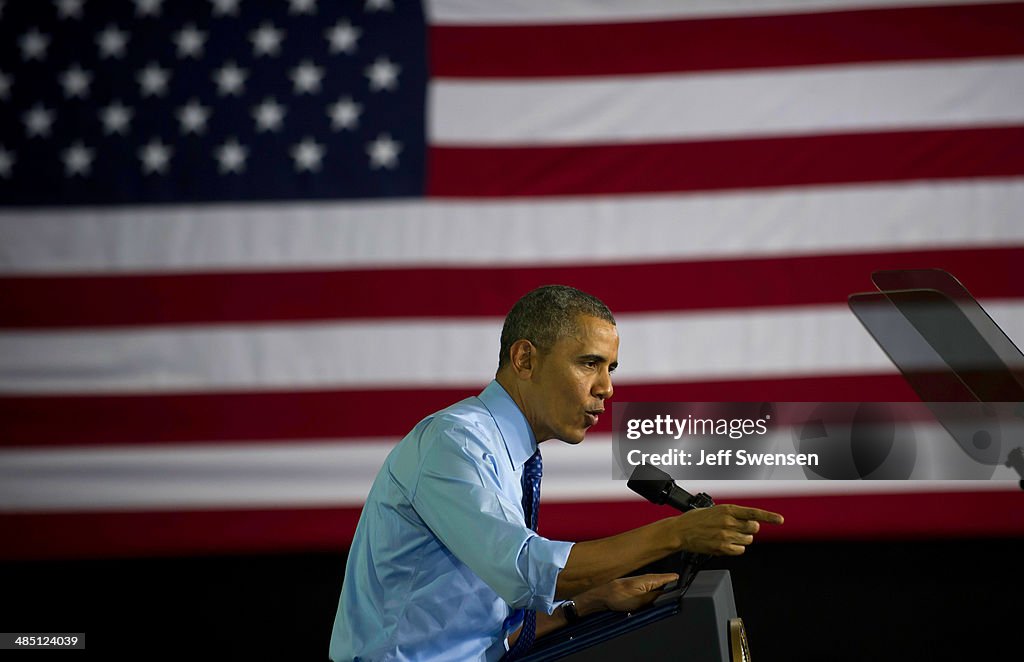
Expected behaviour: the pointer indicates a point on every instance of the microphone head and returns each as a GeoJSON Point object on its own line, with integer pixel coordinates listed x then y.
{"type": "Point", "coordinates": [651, 483]}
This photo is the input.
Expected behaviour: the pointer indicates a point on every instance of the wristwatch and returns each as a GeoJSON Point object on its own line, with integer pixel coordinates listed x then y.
{"type": "Point", "coordinates": [571, 615]}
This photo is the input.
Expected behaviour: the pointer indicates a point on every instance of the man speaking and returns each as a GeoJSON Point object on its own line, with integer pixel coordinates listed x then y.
{"type": "Point", "coordinates": [446, 564]}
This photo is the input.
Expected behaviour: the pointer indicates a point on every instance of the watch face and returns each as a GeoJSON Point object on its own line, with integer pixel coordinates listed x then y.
{"type": "Point", "coordinates": [569, 609]}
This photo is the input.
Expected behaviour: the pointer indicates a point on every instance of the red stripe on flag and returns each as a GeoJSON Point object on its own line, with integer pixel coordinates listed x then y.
{"type": "Point", "coordinates": [822, 517]}
{"type": "Point", "coordinates": [481, 172]}
{"type": "Point", "coordinates": [174, 533]}
{"type": "Point", "coordinates": [246, 417]}
{"type": "Point", "coordinates": [607, 49]}
{"type": "Point", "coordinates": [863, 516]}
{"type": "Point", "coordinates": [98, 301]}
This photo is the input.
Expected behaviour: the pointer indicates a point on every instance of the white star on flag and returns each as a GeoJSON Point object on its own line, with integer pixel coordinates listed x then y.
{"type": "Point", "coordinates": [231, 156]}
{"type": "Point", "coordinates": [266, 40]}
{"type": "Point", "coordinates": [225, 7]}
{"type": "Point", "coordinates": [301, 6]}
{"type": "Point", "coordinates": [190, 41]}
{"type": "Point", "coordinates": [116, 118]}
{"type": "Point", "coordinates": [33, 45]}
{"type": "Point", "coordinates": [343, 37]}
{"type": "Point", "coordinates": [75, 82]}
{"type": "Point", "coordinates": [383, 152]}
{"type": "Point", "coordinates": [38, 121]}
{"type": "Point", "coordinates": [112, 42]}
{"type": "Point", "coordinates": [383, 74]}
{"type": "Point", "coordinates": [153, 80]}
{"type": "Point", "coordinates": [69, 9]}
{"type": "Point", "coordinates": [192, 117]}
{"type": "Point", "coordinates": [77, 160]}
{"type": "Point", "coordinates": [155, 156]}
{"type": "Point", "coordinates": [307, 155]}
{"type": "Point", "coordinates": [268, 115]}
{"type": "Point", "coordinates": [344, 114]}
{"type": "Point", "coordinates": [148, 7]}
{"type": "Point", "coordinates": [306, 78]}
{"type": "Point", "coordinates": [230, 79]}
{"type": "Point", "coordinates": [7, 160]}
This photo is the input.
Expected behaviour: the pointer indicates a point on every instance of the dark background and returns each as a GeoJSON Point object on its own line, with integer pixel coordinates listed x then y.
{"type": "Point", "coordinates": [880, 600]}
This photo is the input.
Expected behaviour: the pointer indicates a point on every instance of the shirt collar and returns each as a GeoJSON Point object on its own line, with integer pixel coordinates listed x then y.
{"type": "Point", "coordinates": [515, 430]}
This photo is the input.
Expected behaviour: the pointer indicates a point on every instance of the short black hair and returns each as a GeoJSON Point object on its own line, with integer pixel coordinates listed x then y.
{"type": "Point", "coordinates": [545, 315]}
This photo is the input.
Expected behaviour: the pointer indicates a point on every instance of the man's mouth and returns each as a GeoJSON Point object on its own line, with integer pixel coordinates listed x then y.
{"type": "Point", "coordinates": [591, 416]}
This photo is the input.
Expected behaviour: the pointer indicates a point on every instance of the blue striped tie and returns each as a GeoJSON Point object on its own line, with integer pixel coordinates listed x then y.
{"type": "Point", "coordinates": [532, 471]}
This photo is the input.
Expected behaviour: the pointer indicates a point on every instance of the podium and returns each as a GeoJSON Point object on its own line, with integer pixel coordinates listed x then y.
{"type": "Point", "coordinates": [691, 627]}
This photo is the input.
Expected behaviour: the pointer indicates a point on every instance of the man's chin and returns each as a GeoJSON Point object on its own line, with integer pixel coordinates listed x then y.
{"type": "Point", "coordinates": [576, 437]}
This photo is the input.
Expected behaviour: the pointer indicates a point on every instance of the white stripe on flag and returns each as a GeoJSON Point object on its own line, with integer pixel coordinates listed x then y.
{"type": "Point", "coordinates": [524, 12]}
{"type": "Point", "coordinates": [840, 219]}
{"type": "Point", "coordinates": [776, 102]}
{"type": "Point", "coordinates": [194, 475]}
{"type": "Point", "coordinates": [332, 473]}
{"type": "Point", "coordinates": [663, 347]}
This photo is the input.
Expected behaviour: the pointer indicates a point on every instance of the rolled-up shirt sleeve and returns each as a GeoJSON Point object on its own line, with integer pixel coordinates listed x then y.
{"type": "Point", "coordinates": [467, 498]}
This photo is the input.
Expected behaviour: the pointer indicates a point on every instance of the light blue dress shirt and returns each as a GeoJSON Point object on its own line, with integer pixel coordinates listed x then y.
{"type": "Point", "coordinates": [441, 555]}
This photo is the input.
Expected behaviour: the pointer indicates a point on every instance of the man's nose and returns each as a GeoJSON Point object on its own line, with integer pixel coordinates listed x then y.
{"type": "Point", "coordinates": [603, 386]}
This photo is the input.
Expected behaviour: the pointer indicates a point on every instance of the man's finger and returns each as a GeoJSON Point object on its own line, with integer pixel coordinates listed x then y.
{"type": "Point", "coordinates": [657, 581]}
{"type": "Point", "coordinates": [651, 582]}
{"type": "Point", "coordinates": [743, 512]}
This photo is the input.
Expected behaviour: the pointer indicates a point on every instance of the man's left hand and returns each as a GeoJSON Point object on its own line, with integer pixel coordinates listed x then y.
{"type": "Point", "coordinates": [625, 594]}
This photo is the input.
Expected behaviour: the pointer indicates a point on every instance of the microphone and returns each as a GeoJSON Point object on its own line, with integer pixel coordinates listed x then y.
{"type": "Point", "coordinates": [658, 487]}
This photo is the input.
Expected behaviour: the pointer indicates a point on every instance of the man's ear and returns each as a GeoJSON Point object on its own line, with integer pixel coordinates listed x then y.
{"type": "Point", "coordinates": [523, 358]}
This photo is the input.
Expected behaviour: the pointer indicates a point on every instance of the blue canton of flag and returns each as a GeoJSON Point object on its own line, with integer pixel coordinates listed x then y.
{"type": "Point", "coordinates": [135, 101]}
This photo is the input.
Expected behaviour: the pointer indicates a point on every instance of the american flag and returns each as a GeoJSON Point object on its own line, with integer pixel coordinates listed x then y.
{"type": "Point", "coordinates": [245, 246]}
